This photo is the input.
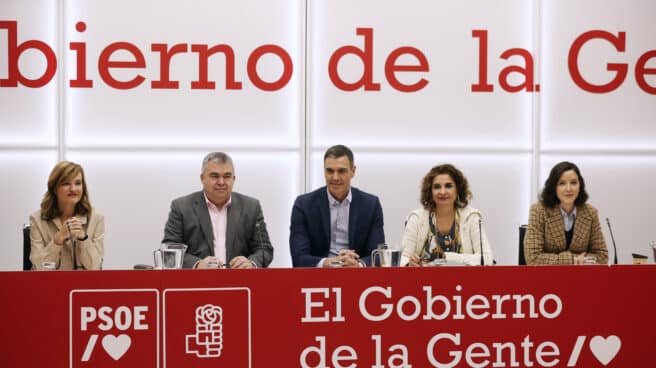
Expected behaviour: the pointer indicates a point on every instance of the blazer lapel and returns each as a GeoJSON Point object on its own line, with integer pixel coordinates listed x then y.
{"type": "Point", "coordinates": [353, 217]}
{"type": "Point", "coordinates": [234, 214]}
{"type": "Point", "coordinates": [581, 227]}
{"type": "Point", "coordinates": [556, 228]}
{"type": "Point", "coordinates": [324, 212]}
{"type": "Point", "coordinates": [200, 208]}
{"type": "Point", "coordinates": [57, 222]}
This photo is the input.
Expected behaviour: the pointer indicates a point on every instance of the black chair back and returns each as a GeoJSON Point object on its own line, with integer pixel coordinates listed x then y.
{"type": "Point", "coordinates": [522, 233]}
{"type": "Point", "coordinates": [27, 265]}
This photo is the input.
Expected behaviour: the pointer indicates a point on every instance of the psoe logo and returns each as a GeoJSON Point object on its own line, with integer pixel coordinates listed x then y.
{"type": "Point", "coordinates": [207, 341]}
{"type": "Point", "coordinates": [114, 326]}
{"type": "Point", "coordinates": [206, 327]}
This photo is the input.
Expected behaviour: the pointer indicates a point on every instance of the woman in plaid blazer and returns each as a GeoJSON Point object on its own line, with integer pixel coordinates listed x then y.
{"type": "Point", "coordinates": [562, 228]}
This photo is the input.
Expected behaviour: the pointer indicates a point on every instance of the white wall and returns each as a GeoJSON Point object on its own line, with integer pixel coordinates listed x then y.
{"type": "Point", "coordinates": [142, 147]}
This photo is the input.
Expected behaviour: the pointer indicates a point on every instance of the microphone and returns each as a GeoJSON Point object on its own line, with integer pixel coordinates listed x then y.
{"type": "Point", "coordinates": [258, 225]}
{"type": "Point", "coordinates": [613, 239]}
{"type": "Point", "coordinates": [73, 244]}
{"type": "Point", "coordinates": [480, 235]}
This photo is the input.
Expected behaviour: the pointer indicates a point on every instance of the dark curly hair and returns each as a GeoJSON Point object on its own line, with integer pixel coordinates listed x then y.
{"type": "Point", "coordinates": [548, 195]}
{"type": "Point", "coordinates": [462, 186]}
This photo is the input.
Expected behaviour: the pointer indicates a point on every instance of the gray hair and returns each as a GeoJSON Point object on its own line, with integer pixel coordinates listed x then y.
{"type": "Point", "coordinates": [219, 158]}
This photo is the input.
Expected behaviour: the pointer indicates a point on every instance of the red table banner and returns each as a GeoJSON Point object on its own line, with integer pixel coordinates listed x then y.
{"type": "Point", "coordinates": [551, 316]}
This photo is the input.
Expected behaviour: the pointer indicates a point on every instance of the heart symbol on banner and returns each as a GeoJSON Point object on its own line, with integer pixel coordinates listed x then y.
{"type": "Point", "coordinates": [605, 349]}
{"type": "Point", "coordinates": [116, 346]}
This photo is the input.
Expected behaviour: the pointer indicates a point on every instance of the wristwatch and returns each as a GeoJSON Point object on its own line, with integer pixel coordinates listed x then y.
{"type": "Point", "coordinates": [86, 236]}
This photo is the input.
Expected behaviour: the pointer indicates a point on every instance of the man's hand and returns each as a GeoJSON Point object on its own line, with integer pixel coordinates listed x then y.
{"type": "Point", "coordinates": [209, 262]}
{"type": "Point", "coordinates": [241, 262]}
{"type": "Point", "coordinates": [345, 258]}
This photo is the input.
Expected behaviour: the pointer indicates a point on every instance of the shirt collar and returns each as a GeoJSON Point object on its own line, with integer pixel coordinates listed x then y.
{"type": "Point", "coordinates": [212, 205]}
{"type": "Point", "coordinates": [564, 214]}
{"type": "Point", "coordinates": [332, 201]}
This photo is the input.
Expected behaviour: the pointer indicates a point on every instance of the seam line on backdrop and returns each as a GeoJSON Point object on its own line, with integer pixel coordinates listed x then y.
{"type": "Point", "coordinates": [170, 148]}
{"type": "Point", "coordinates": [61, 98]}
{"type": "Point", "coordinates": [535, 101]}
{"type": "Point", "coordinates": [429, 150]}
{"type": "Point", "coordinates": [618, 152]}
{"type": "Point", "coordinates": [305, 129]}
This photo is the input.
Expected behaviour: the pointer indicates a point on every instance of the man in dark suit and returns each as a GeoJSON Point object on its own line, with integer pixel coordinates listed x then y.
{"type": "Point", "coordinates": [219, 226]}
{"type": "Point", "coordinates": [336, 225]}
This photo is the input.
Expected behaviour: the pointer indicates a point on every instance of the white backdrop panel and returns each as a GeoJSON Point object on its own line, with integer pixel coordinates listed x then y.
{"type": "Point", "coordinates": [28, 115]}
{"type": "Point", "coordinates": [443, 114]}
{"type": "Point", "coordinates": [24, 181]}
{"type": "Point", "coordinates": [185, 117]}
{"type": "Point", "coordinates": [134, 191]}
{"type": "Point", "coordinates": [622, 119]}
{"type": "Point", "coordinates": [621, 188]}
{"type": "Point", "coordinates": [499, 184]}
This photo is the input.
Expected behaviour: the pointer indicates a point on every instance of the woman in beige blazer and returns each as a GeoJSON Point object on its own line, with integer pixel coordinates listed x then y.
{"type": "Point", "coordinates": [562, 227]}
{"type": "Point", "coordinates": [66, 214]}
{"type": "Point", "coordinates": [446, 227]}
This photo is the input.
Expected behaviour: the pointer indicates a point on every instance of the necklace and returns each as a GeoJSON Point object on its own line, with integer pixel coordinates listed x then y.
{"type": "Point", "coordinates": [446, 241]}
{"type": "Point", "coordinates": [449, 242]}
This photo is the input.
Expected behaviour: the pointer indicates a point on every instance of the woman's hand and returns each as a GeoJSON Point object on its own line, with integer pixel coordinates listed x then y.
{"type": "Point", "coordinates": [579, 258]}
{"type": "Point", "coordinates": [77, 230]}
{"type": "Point", "coordinates": [414, 261]}
{"type": "Point", "coordinates": [61, 236]}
